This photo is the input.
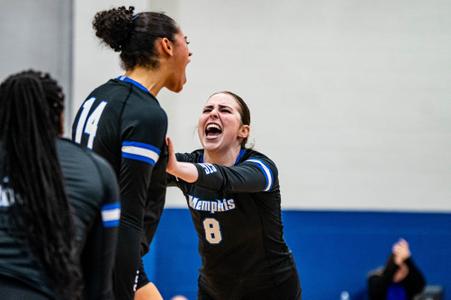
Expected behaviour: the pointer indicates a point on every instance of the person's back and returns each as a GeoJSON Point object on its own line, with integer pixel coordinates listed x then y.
{"type": "Point", "coordinates": [38, 226]}
{"type": "Point", "coordinates": [92, 193]}
{"type": "Point", "coordinates": [17, 263]}
{"type": "Point", "coordinates": [59, 206]}
{"type": "Point", "coordinates": [130, 135]}
{"type": "Point", "coordinates": [123, 122]}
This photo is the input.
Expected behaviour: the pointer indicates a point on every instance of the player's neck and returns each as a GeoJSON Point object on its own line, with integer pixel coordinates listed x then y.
{"type": "Point", "coordinates": [151, 79]}
{"type": "Point", "coordinates": [226, 157]}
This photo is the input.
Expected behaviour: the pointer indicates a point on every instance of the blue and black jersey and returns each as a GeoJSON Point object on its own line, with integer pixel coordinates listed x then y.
{"type": "Point", "coordinates": [92, 192]}
{"type": "Point", "coordinates": [237, 215]}
{"type": "Point", "coordinates": [125, 124]}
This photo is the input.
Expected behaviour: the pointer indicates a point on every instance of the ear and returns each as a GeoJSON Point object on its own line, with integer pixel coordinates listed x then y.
{"type": "Point", "coordinates": [244, 131]}
{"type": "Point", "coordinates": [165, 46]}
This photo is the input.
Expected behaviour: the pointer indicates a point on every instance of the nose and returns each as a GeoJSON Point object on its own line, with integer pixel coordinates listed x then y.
{"type": "Point", "coordinates": [214, 113]}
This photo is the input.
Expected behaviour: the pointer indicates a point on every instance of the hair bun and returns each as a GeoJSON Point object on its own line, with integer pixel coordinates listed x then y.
{"type": "Point", "coordinates": [114, 26]}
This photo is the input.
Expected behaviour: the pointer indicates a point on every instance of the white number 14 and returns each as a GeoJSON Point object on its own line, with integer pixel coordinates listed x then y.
{"type": "Point", "coordinates": [91, 123]}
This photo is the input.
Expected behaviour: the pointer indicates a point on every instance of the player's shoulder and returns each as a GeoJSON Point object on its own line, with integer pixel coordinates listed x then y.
{"type": "Point", "coordinates": [67, 148]}
{"type": "Point", "coordinates": [117, 93]}
{"type": "Point", "coordinates": [104, 168]}
{"type": "Point", "coordinates": [253, 154]}
{"type": "Point", "coordinates": [262, 160]}
{"type": "Point", "coordinates": [147, 108]}
{"type": "Point", "coordinates": [110, 89]}
{"type": "Point", "coordinates": [144, 113]}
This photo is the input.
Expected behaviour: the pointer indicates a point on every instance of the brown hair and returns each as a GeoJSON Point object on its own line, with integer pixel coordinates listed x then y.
{"type": "Point", "coordinates": [244, 111]}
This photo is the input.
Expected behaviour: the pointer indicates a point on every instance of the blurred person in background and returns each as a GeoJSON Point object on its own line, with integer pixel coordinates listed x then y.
{"type": "Point", "coordinates": [400, 279]}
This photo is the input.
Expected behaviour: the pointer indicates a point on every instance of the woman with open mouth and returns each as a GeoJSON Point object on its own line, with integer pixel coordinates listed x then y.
{"type": "Point", "coordinates": [234, 198]}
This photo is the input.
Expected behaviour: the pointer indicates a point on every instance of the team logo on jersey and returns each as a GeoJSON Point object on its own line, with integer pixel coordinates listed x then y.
{"type": "Point", "coordinates": [208, 168]}
{"type": "Point", "coordinates": [212, 206]}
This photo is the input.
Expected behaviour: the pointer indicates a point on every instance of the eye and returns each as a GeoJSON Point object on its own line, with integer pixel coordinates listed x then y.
{"type": "Point", "coordinates": [206, 109]}
{"type": "Point", "coordinates": [226, 110]}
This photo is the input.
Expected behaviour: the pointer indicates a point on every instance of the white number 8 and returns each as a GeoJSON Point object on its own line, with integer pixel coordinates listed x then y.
{"type": "Point", "coordinates": [212, 231]}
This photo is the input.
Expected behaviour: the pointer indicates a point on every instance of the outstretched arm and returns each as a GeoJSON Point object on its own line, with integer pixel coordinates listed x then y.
{"type": "Point", "coordinates": [255, 174]}
{"type": "Point", "coordinates": [185, 171]}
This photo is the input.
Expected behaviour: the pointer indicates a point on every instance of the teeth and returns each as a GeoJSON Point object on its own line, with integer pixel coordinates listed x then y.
{"type": "Point", "coordinates": [210, 126]}
{"type": "Point", "coordinates": [213, 129]}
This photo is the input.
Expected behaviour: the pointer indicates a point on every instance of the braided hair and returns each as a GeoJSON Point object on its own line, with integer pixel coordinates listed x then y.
{"type": "Point", "coordinates": [40, 210]}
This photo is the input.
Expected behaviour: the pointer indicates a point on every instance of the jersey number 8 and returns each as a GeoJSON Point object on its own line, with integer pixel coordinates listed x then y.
{"type": "Point", "coordinates": [90, 125]}
{"type": "Point", "coordinates": [212, 231]}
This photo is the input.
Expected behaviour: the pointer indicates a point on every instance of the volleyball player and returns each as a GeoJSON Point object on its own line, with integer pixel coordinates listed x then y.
{"type": "Point", "coordinates": [54, 238]}
{"type": "Point", "coordinates": [234, 198]}
{"type": "Point", "coordinates": [123, 121]}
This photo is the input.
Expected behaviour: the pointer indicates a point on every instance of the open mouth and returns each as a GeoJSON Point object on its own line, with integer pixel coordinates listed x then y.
{"type": "Point", "coordinates": [212, 130]}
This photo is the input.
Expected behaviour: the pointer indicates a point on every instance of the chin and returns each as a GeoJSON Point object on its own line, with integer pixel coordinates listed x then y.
{"type": "Point", "coordinates": [176, 89]}
{"type": "Point", "coordinates": [178, 86]}
{"type": "Point", "coordinates": [209, 146]}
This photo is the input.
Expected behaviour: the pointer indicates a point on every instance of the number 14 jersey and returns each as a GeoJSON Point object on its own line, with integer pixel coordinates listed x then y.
{"type": "Point", "coordinates": [124, 123]}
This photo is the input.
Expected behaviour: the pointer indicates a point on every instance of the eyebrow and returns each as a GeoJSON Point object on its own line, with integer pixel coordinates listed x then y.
{"type": "Point", "coordinates": [220, 106]}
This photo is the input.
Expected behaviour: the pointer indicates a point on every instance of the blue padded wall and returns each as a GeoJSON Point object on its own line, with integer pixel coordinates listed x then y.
{"type": "Point", "coordinates": [334, 250]}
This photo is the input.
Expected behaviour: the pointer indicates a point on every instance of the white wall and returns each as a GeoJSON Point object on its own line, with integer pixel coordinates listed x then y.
{"type": "Point", "coordinates": [351, 99]}
{"type": "Point", "coordinates": [37, 35]}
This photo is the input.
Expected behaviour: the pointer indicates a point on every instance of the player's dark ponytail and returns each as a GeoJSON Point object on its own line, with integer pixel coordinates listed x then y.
{"type": "Point", "coordinates": [40, 208]}
{"type": "Point", "coordinates": [134, 35]}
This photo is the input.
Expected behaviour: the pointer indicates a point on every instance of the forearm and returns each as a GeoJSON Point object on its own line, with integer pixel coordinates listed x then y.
{"type": "Point", "coordinates": [184, 171]}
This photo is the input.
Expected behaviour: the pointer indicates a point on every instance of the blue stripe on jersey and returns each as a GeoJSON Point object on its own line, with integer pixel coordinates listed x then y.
{"type": "Point", "coordinates": [139, 157]}
{"type": "Point", "coordinates": [140, 151]}
{"type": "Point", "coordinates": [111, 214]}
{"type": "Point", "coordinates": [134, 82]}
{"type": "Point", "coordinates": [111, 206]}
{"type": "Point", "coordinates": [110, 224]}
{"type": "Point", "coordinates": [142, 145]}
{"type": "Point", "coordinates": [240, 155]}
{"type": "Point", "coordinates": [266, 171]}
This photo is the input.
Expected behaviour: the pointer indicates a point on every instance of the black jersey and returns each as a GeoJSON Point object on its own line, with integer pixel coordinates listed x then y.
{"type": "Point", "coordinates": [237, 216]}
{"type": "Point", "coordinates": [92, 192]}
{"type": "Point", "coordinates": [125, 124]}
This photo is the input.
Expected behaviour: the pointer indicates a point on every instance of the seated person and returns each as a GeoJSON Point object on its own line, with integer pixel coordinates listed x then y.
{"type": "Point", "coordinates": [400, 279]}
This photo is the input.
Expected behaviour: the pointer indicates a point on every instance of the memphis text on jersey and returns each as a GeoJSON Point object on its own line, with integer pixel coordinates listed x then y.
{"type": "Point", "coordinates": [211, 206]}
